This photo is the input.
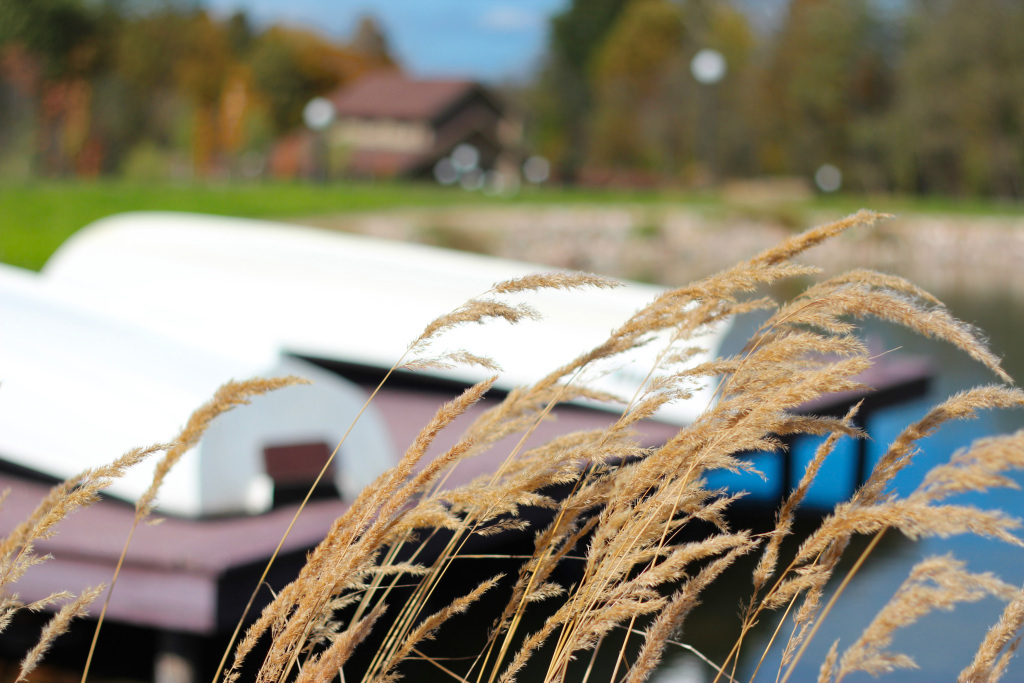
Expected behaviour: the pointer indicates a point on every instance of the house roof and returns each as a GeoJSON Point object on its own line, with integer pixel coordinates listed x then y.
{"type": "Point", "coordinates": [393, 95]}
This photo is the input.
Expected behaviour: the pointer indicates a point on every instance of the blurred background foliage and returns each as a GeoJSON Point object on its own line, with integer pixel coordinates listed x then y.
{"type": "Point", "coordinates": [904, 96]}
{"type": "Point", "coordinates": [146, 89]}
{"type": "Point", "coordinates": [913, 96]}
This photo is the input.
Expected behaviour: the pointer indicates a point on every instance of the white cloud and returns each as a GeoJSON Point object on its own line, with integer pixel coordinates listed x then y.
{"type": "Point", "coordinates": [510, 18]}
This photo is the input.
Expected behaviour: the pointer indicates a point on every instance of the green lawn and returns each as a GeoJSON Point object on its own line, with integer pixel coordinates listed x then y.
{"type": "Point", "coordinates": [36, 218]}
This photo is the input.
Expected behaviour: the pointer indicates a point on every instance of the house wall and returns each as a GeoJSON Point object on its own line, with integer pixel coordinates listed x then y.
{"type": "Point", "coordinates": [475, 115]}
{"type": "Point", "coordinates": [388, 146]}
{"type": "Point", "coordinates": [389, 135]}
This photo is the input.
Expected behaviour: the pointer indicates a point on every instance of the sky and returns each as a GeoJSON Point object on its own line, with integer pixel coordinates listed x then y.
{"type": "Point", "coordinates": [490, 40]}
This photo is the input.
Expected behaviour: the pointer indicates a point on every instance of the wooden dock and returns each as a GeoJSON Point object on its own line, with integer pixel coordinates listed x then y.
{"type": "Point", "coordinates": [187, 578]}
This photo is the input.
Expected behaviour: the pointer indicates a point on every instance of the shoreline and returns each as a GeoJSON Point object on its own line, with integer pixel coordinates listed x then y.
{"type": "Point", "coordinates": [957, 255]}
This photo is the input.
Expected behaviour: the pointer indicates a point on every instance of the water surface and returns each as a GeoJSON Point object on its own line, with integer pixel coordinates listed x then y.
{"type": "Point", "coordinates": [942, 643]}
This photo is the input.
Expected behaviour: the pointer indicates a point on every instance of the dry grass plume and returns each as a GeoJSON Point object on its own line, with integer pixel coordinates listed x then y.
{"type": "Point", "coordinates": [637, 524]}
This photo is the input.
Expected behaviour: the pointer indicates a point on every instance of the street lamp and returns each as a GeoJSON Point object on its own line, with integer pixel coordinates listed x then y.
{"type": "Point", "coordinates": [708, 68]}
{"type": "Point", "coordinates": [828, 178]}
{"type": "Point", "coordinates": [318, 115]}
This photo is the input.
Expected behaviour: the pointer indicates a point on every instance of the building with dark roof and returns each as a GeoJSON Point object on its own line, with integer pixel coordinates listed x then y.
{"type": "Point", "coordinates": [388, 125]}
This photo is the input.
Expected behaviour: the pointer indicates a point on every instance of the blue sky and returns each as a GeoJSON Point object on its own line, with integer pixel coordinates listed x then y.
{"type": "Point", "coordinates": [486, 39]}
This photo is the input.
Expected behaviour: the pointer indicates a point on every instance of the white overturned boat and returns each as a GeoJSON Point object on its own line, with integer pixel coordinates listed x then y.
{"type": "Point", "coordinates": [138, 318]}
{"type": "Point", "coordinates": [251, 289]}
{"type": "Point", "coordinates": [78, 389]}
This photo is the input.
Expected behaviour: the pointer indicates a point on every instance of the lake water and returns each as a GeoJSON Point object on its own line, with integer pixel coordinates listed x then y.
{"type": "Point", "coordinates": [944, 642]}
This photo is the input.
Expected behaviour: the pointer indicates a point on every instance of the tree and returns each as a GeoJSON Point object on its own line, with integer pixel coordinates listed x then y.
{"type": "Point", "coordinates": [290, 67]}
{"type": "Point", "coordinates": [564, 98]}
{"type": "Point", "coordinates": [95, 82]}
{"type": "Point", "coordinates": [371, 43]}
{"type": "Point", "coordinates": [62, 33]}
{"type": "Point", "coordinates": [828, 77]}
{"type": "Point", "coordinates": [651, 113]}
{"type": "Point", "coordinates": [201, 73]}
{"type": "Point", "coordinates": [957, 126]}
{"type": "Point", "coordinates": [68, 39]}
{"type": "Point", "coordinates": [736, 108]}
{"type": "Point", "coordinates": [628, 74]}
{"type": "Point", "coordinates": [239, 34]}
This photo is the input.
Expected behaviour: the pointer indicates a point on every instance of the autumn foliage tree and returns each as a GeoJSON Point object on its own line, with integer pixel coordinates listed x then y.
{"type": "Point", "coordinates": [629, 73]}
{"type": "Point", "coordinates": [291, 66]}
{"type": "Point", "coordinates": [63, 45]}
{"type": "Point", "coordinates": [920, 96]}
{"type": "Point", "coordinates": [957, 121]}
{"type": "Point", "coordinates": [563, 99]}
{"type": "Point", "coordinates": [642, 106]}
{"type": "Point", "coordinates": [110, 86]}
{"type": "Point", "coordinates": [822, 109]}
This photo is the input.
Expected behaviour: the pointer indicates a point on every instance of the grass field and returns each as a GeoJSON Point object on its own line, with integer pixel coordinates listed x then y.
{"type": "Point", "coordinates": [36, 218]}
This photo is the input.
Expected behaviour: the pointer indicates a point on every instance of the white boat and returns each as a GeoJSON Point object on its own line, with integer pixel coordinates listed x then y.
{"type": "Point", "coordinates": [78, 389]}
{"type": "Point", "coordinates": [250, 289]}
{"type": "Point", "coordinates": [138, 318]}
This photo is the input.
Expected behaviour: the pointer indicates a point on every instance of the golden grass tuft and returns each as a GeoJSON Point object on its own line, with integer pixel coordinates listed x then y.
{"type": "Point", "coordinates": [57, 625]}
{"type": "Point", "coordinates": [934, 583]}
{"type": "Point", "coordinates": [636, 525]}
